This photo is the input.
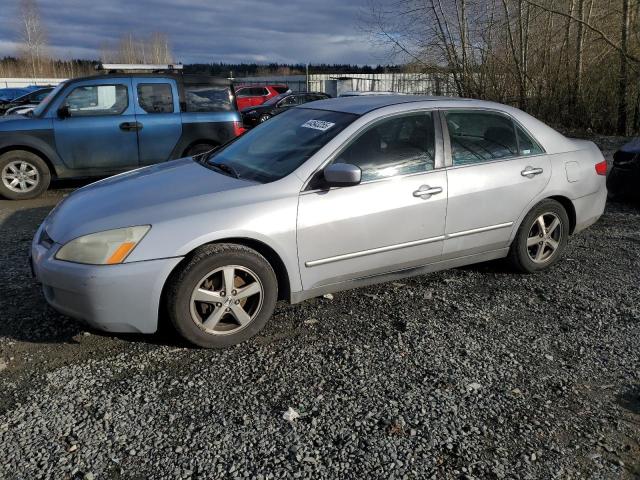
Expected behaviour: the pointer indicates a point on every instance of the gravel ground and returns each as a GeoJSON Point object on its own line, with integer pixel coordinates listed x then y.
{"type": "Point", "coordinates": [470, 373]}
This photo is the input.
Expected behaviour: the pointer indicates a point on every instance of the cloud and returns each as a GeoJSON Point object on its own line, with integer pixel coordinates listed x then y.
{"type": "Point", "coordinates": [209, 30]}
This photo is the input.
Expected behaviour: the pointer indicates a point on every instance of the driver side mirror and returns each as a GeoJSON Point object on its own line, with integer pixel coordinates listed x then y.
{"type": "Point", "coordinates": [64, 112]}
{"type": "Point", "coordinates": [342, 175]}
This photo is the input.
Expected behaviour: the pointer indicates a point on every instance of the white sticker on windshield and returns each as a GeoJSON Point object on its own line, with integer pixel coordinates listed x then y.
{"type": "Point", "coordinates": [318, 125]}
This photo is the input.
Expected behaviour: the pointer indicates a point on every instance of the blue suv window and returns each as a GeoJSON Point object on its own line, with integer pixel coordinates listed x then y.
{"type": "Point", "coordinates": [92, 100]}
{"type": "Point", "coordinates": [155, 97]}
{"type": "Point", "coordinates": [207, 98]}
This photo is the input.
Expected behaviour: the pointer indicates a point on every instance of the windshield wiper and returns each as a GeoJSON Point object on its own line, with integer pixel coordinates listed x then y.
{"type": "Point", "coordinates": [227, 169]}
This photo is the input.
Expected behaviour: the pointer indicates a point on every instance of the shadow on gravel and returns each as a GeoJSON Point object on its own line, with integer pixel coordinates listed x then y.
{"type": "Point", "coordinates": [24, 313]}
{"type": "Point", "coordinates": [630, 400]}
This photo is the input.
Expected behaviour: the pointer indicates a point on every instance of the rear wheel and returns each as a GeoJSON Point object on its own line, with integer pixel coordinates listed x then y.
{"type": "Point", "coordinates": [23, 175]}
{"type": "Point", "coordinates": [222, 296]}
{"type": "Point", "coordinates": [541, 238]}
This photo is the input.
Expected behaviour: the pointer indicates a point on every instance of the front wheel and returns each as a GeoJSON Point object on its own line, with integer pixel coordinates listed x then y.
{"type": "Point", "coordinates": [541, 238]}
{"type": "Point", "coordinates": [223, 295]}
{"type": "Point", "coordinates": [23, 175]}
{"type": "Point", "coordinates": [264, 117]}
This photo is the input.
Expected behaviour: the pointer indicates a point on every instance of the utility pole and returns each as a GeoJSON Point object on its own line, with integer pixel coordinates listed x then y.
{"type": "Point", "coordinates": [307, 74]}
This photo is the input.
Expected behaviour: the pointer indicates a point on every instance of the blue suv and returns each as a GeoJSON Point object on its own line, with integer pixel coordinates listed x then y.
{"type": "Point", "coordinates": [107, 124]}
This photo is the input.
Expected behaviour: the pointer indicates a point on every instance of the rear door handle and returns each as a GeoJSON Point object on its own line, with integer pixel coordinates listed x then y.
{"type": "Point", "coordinates": [530, 172]}
{"type": "Point", "coordinates": [425, 191]}
{"type": "Point", "coordinates": [130, 126]}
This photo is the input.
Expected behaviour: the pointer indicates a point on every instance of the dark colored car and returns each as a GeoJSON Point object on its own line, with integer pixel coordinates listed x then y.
{"type": "Point", "coordinates": [107, 124]}
{"type": "Point", "coordinates": [623, 181]}
{"type": "Point", "coordinates": [252, 116]}
{"type": "Point", "coordinates": [253, 95]}
{"type": "Point", "coordinates": [31, 98]}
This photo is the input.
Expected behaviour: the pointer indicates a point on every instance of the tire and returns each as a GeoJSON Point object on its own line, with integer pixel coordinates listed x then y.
{"type": "Point", "coordinates": [215, 321]}
{"type": "Point", "coordinates": [23, 175]}
{"type": "Point", "coordinates": [264, 117]}
{"type": "Point", "coordinates": [525, 254]}
{"type": "Point", "coordinates": [199, 148]}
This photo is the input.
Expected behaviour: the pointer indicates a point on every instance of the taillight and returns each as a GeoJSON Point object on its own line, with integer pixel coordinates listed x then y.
{"type": "Point", "coordinates": [601, 168]}
{"type": "Point", "coordinates": [238, 129]}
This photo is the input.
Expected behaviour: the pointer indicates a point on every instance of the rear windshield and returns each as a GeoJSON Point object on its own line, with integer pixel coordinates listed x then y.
{"type": "Point", "coordinates": [208, 98]}
{"type": "Point", "coordinates": [276, 148]}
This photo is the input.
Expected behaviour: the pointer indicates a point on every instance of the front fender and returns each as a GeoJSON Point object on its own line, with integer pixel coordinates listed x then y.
{"type": "Point", "coordinates": [41, 142]}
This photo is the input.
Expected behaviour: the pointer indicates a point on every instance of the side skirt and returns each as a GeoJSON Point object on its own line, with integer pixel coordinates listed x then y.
{"type": "Point", "coordinates": [297, 297]}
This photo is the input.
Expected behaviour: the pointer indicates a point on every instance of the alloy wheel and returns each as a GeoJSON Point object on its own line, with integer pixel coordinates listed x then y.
{"type": "Point", "coordinates": [544, 237]}
{"type": "Point", "coordinates": [226, 300]}
{"type": "Point", "coordinates": [20, 176]}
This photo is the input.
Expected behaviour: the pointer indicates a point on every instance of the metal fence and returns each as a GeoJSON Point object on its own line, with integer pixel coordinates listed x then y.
{"type": "Point", "coordinates": [333, 84]}
{"type": "Point", "coordinates": [25, 82]}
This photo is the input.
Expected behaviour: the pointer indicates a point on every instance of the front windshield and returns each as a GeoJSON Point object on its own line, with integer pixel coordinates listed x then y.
{"type": "Point", "coordinates": [276, 148]}
{"type": "Point", "coordinates": [47, 100]}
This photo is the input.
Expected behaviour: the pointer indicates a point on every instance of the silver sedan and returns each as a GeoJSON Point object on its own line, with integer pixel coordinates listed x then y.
{"type": "Point", "coordinates": [335, 194]}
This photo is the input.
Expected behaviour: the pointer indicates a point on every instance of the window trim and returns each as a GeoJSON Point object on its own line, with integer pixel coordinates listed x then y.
{"type": "Point", "coordinates": [137, 93]}
{"type": "Point", "coordinates": [438, 164]}
{"type": "Point", "coordinates": [114, 84]}
{"type": "Point", "coordinates": [448, 157]}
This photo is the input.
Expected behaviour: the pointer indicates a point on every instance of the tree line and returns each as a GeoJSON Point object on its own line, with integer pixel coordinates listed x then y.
{"type": "Point", "coordinates": [571, 62]}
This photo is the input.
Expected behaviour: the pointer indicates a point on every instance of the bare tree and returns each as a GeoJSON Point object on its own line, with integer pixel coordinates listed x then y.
{"type": "Point", "coordinates": [32, 37]}
{"type": "Point", "coordinates": [130, 49]}
{"type": "Point", "coordinates": [623, 76]}
{"type": "Point", "coordinates": [160, 51]}
{"type": "Point", "coordinates": [552, 58]}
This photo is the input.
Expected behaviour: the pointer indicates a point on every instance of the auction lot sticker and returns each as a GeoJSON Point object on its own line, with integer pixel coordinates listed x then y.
{"type": "Point", "coordinates": [318, 125]}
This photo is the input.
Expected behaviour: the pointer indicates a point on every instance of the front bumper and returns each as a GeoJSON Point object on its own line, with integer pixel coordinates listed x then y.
{"type": "Point", "coordinates": [114, 298]}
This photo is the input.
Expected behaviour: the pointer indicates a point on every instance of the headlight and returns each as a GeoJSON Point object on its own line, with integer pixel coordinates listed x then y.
{"type": "Point", "coordinates": [103, 248]}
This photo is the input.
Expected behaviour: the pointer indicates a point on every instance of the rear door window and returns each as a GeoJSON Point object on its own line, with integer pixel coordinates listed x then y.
{"type": "Point", "coordinates": [91, 100]}
{"type": "Point", "coordinates": [480, 136]}
{"type": "Point", "coordinates": [155, 97]}
{"type": "Point", "coordinates": [208, 98]}
{"type": "Point", "coordinates": [528, 146]}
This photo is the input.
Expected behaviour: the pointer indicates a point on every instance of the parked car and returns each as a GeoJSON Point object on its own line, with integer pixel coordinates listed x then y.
{"type": "Point", "coordinates": [107, 124]}
{"type": "Point", "coordinates": [324, 197]}
{"type": "Point", "coordinates": [8, 94]}
{"type": "Point", "coordinates": [254, 95]}
{"type": "Point", "coordinates": [30, 99]}
{"type": "Point", "coordinates": [252, 116]}
{"type": "Point", "coordinates": [623, 181]}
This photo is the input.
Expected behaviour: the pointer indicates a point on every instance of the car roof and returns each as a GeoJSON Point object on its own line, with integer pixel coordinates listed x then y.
{"type": "Point", "coordinates": [185, 78]}
{"type": "Point", "coordinates": [365, 103]}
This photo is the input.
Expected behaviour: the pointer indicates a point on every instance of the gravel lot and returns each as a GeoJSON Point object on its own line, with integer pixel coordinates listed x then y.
{"type": "Point", "coordinates": [471, 373]}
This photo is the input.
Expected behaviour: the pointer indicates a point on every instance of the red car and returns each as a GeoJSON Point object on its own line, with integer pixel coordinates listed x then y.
{"type": "Point", "coordinates": [252, 95]}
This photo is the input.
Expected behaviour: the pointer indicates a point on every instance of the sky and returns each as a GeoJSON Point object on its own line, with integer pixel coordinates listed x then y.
{"type": "Point", "coordinates": [233, 31]}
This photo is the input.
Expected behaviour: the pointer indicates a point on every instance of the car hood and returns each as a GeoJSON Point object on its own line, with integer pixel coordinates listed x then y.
{"type": "Point", "coordinates": [257, 108]}
{"type": "Point", "coordinates": [141, 197]}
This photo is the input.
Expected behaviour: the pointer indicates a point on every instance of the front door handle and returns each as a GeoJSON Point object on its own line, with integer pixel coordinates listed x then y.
{"type": "Point", "coordinates": [530, 172]}
{"type": "Point", "coordinates": [425, 191]}
{"type": "Point", "coordinates": [130, 126]}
